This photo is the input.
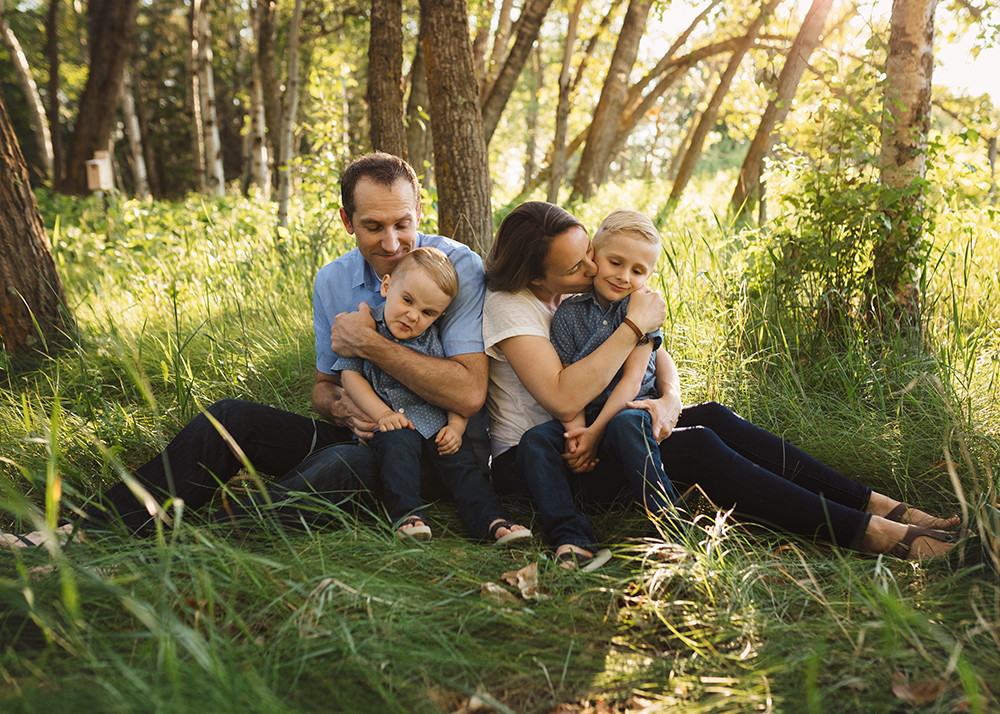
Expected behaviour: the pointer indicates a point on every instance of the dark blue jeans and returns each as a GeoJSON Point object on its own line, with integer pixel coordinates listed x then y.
{"type": "Point", "coordinates": [627, 459]}
{"type": "Point", "coordinates": [300, 451]}
{"type": "Point", "coordinates": [399, 452]}
{"type": "Point", "coordinates": [738, 465]}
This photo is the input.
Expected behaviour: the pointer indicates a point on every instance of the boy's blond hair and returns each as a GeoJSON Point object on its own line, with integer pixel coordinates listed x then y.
{"type": "Point", "coordinates": [632, 223]}
{"type": "Point", "coordinates": [433, 262]}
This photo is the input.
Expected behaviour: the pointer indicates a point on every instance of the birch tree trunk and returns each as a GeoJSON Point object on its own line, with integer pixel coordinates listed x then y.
{"type": "Point", "coordinates": [215, 179]}
{"type": "Point", "coordinates": [529, 151]}
{"type": "Point", "coordinates": [260, 174]}
{"type": "Point", "coordinates": [193, 99]}
{"type": "Point", "coordinates": [707, 120]}
{"type": "Point", "coordinates": [592, 170]}
{"type": "Point", "coordinates": [461, 162]}
{"type": "Point", "coordinates": [289, 107]}
{"type": "Point", "coordinates": [35, 109]}
{"type": "Point", "coordinates": [747, 192]}
{"type": "Point", "coordinates": [903, 160]}
{"type": "Point", "coordinates": [267, 21]}
{"type": "Point", "coordinates": [55, 126]}
{"type": "Point", "coordinates": [558, 164]}
{"type": "Point", "coordinates": [32, 305]}
{"type": "Point", "coordinates": [419, 138]}
{"type": "Point", "coordinates": [385, 78]}
{"type": "Point", "coordinates": [134, 140]}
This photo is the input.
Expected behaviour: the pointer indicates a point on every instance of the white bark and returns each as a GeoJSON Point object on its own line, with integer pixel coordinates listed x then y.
{"type": "Point", "coordinates": [215, 183]}
{"type": "Point", "coordinates": [260, 176]}
{"type": "Point", "coordinates": [289, 107]}
{"type": "Point", "coordinates": [134, 140]}
{"type": "Point", "coordinates": [35, 108]}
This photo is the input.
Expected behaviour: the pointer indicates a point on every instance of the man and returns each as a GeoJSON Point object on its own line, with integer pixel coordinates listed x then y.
{"type": "Point", "coordinates": [381, 208]}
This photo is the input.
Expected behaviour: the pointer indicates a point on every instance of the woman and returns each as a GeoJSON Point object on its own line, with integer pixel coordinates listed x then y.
{"type": "Point", "coordinates": [542, 253]}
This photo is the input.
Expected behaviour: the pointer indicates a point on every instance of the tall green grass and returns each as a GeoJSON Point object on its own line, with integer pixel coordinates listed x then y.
{"type": "Point", "coordinates": [181, 304]}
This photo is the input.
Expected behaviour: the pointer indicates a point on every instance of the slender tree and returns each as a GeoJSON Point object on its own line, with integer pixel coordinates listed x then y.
{"type": "Point", "coordinates": [707, 120]}
{"type": "Point", "coordinates": [529, 151]}
{"type": "Point", "coordinates": [35, 109]}
{"type": "Point", "coordinates": [289, 108]}
{"type": "Point", "coordinates": [215, 179]}
{"type": "Point", "coordinates": [558, 164]}
{"type": "Point", "coordinates": [52, 52]}
{"type": "Point", "coordinates": [419, 138]}
{"type": "Point", "coordinates": [385, 78]}
{"type": "Point", "coordinates": [594, 161]}
{"type": "Point", "coordinates": [903, 161]}
{"type": "Point", "coordinates": [747, 192]}
{"type": "Point", "coordinates": [461, 164]}
{"type": "Point", "coordinates": [134, 139]}
{"type": "Point", "coordinates": [111, 33]}
{"type": "Point", "coordinates": [32, 304]}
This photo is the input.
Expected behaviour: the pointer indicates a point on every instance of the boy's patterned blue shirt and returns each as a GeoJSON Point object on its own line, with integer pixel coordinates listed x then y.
{"type": "Point", "coordinates": [427, 418]}
{"type": "Point", "coordinates": [581, 325]}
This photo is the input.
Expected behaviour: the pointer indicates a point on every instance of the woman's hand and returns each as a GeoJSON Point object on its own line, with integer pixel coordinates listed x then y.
{"type": "Point", "coordinates": [663, 412]}
{"type": "Point", "coordinates": [647, 309]}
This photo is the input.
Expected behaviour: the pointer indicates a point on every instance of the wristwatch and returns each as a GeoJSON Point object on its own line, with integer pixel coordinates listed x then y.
{"type": "Point", "coordinates": [643, 337]}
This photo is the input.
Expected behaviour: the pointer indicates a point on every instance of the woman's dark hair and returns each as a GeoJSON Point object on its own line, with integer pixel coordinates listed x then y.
{"type": "Point", "coordinates": [521, 244]}
{"type": "Point", "coordinates": [384, 169]}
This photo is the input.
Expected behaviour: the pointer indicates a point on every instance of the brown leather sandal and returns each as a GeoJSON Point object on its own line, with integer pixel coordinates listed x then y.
{"type": "Point", "coordinates": [903, 549]}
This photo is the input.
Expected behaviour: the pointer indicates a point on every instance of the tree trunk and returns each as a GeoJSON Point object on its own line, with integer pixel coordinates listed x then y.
{"type": "Point", "coordinates": [266, 55]}
{"type": "Point", "coordinates": [260, 174]}
{"type": "Point", "coordinates": [492, 65]}
{"type": "Point", "coordinates": [55, 126]}
{"type": "Point", "coordinates": [529, 151]}
{"type": "Point", "coordinates": [134, 140]}
{"type": "Point", "coordinates": [497, 95]}
{"type": "Point", "coordinates": [461, 163]}
{"type": "Point", "coordinates": [593, 164]}
{"type": "Point", "coordinates": [289, 107]}
{"type": "Point", "coordinates": [385, 78]}
{"type": "Point", "coordinates": [747, 192]}
{"type": "Point", "coordinates": [152, 175]}
{"type": "Point", "coordinates": [111, 40]}
{"type": "Point", "coordinates": [558, 164]}
{"type": "Point", "coordinates": [707, 120]}
{"type": "Point", "coordinates": [215, 178]}
{"type": "Point", "coordinates": [483, 21]}
{"type": "Point", "coordinates": [192, 100]}
{"type": "Point", "coordinates": [32, 304]}
{"type": "Point", "coordinates": [907, 99]}
{"type": "Point", "coordinates": [419, 141]}
{"type": "Point", "coordinates": [35, 109]}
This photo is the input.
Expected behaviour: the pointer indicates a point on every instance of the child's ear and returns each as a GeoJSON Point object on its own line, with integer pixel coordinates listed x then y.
{"type": "Point", "coordinates": [385, 285]}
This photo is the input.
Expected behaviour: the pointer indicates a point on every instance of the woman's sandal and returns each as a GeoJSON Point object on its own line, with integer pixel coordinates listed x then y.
{"type": "Point", "coordinates": [514, 538]}
{"type": "Point", "coordinates": [904, 548]}
{"type": "Point", "coordinates": [572, 560]}
{"type": "Point", "coordinates": [408, 530]}
{"type": "Point", "coordinates": [897, 513]}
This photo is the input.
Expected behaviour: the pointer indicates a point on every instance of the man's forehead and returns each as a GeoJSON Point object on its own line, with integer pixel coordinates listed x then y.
{"type": "Point", "coordinates": [372, 195]}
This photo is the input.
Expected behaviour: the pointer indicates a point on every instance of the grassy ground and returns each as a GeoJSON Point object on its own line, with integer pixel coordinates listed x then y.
{"type": "Point", "coordinates": [178, 305]}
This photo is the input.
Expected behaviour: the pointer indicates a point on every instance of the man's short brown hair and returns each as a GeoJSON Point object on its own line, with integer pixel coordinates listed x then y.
{"type": "Point", "coordinates": [382, 168]}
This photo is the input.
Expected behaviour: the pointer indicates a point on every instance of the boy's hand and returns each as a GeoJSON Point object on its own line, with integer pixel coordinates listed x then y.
{"type": "Point", "coordinates": [448, 440]}
{"type": "Point", "coordinates": [583, 456]}
{"type": "Point", "coordinates": [647, 309]}
{"type": "Point", "coordinates": [390, 421]}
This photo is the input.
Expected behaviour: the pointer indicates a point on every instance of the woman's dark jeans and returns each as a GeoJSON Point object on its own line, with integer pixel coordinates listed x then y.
{"type": "Point", "coordinates": [737, 465]}
{"type": "Point", "coordinates": [399, 452]}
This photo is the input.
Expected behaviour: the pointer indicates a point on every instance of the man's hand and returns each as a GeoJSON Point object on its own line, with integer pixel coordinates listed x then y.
{"type": "Point", "coordinates": [390, 421]}
{"type": "Point", "coordinates": [664, 413]}
{"type": "Point", "coordinates": [331, 401]}
{"type": "Point", "coordinates": [448, 440]}
{"type": "Point", "coordinates": [351, 331]}
{"type": "Point", "coordinates": [581, 449]}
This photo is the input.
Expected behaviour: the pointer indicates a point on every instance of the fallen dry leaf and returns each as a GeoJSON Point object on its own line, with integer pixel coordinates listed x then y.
{"type": "Point", "coordinates": [526, 580]}
{"type": "Point", "coordinates": [497, 594]}
{"type": "Point", "coordinates": [919, 692]}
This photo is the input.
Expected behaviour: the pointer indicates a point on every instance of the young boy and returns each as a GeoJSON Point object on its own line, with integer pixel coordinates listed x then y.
{"type": "Point", "coordinates": [626, 248]}
{"type": "Point", "coordinates": [416, 293]}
